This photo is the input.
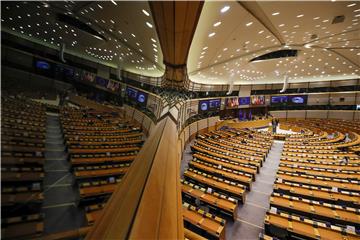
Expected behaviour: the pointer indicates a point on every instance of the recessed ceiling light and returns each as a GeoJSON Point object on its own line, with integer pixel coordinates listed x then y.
{"type": "Point", "coordinates": [249, 24]}
{"type": "Point", "coordinates": [275, 13]}
{"type": "Point", "coordinates": [225, 9]}
{"type": "Point", "coordinates": [145, 12]}
{"type": "Point", "coordinates": [204, 48]}
{"type": "Point", "coordinates": [351, 5]}
{"type": "Point", "coordinates": [261, 31]}
{"type": "Point", "coordinates": [212, 34]}
{"type": "Point", "coordinates": [326, 20]}
{"type": "Point", "coordinates": [357, 10]}
{"type": "Point", "coordinates": [113, 2]}
{"type": "Point", "coordinates": [281, 25]}
{"type": "Point", "coordinates": [225, 49]}
{"type": "Point", "coordinates": [149, 24]}
{"type": "Point", "coordinates": [299, 16]}
{"type": "Point", "coordinates": [217, 24]}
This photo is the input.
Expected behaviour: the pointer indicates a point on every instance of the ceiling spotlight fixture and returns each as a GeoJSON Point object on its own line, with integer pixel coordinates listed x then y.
{"type": "Point", "coordinates": [113, 2]}
{"type": "Point", "coordinates": [217, 24]}
{"type": "Point", "coordinates": [307, 45]}
{"type": "Point", "coordinates": [225, 9]}
{"type": "Point", "coordinates": [299, 16]}
{"type": "Point", "coordinates": [145, 12]}
{"type": "Point", "coordinates": [149, 24]}
{"type": "Point", "coordinates": [249, 24]}
{"type": "Point", "coordinates": [153, 40]}
{"type": "Point", "coordinates": [212, 34]}
{"type": "Point", "coordinates": [275, 13]}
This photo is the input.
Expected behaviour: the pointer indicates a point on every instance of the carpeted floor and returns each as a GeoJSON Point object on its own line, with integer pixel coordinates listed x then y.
{"type": "Point", "coordinates": [60, 209]}
{"type": "Point", "coordinates": [250, 216]}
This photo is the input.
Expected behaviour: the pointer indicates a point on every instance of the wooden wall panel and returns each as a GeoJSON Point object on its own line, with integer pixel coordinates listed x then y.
{"type": "Point", "coordinates": [296, 114]}
{"type": "Point", "coordinates": [316, 114]}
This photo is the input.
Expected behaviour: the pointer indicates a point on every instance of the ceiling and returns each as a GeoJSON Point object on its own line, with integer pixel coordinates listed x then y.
{"type": "Point", "coordinates": [131, 38]}
{"type": "Point", "coordinates": [230, 34]}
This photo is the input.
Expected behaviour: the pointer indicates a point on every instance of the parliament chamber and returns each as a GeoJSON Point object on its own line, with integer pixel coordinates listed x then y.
{"type": "Point", "coordinates": [180, 120]}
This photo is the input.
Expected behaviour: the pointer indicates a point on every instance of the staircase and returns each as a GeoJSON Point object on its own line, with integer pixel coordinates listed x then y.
{"type": "Point", "coordinates": [61, 195]}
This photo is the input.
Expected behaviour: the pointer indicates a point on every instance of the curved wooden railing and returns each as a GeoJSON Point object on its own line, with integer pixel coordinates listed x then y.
{"type": "Point", "coordinates": [147, 202]}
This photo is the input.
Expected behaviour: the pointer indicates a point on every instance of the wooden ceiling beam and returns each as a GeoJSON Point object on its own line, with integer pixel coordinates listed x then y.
{"type": "Point", "coordinates": [175, 25]}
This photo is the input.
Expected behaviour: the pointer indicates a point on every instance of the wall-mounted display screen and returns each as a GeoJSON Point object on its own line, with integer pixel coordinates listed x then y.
{"type": "Point", "coordinates": [113, 86]}
{"type": "Point", "coordinates": [278, 100]}
{"type": "Point", "coordinates": [244, 100]}
{"type": "Point", "coordinates": [88, 76]}
{"type": "Point", "coordinates": [203, 105]}
{"type": "Point", "coordinates": [131, 93]}
{"type": "Point", "coordinates": [63, 72]}
{"type": "Point", "coordinates": [297, 99]}
{"type": "Point", "coordinates": [214, 104]}
{"type": "Point", "coordinates": [142, 98]}
{"type": "Point", "coordinates": [136, 96]}
{"type": "Point", "coordinates": [232, 102]}
{"type": "Point", "coordinates": [209, 105]}
{"type": "Point", "coordinates": [101, 81]}
{"type": "Point", "coordinates": [258, 100]}
{"type": "Point", "coordinates": [44, 67]}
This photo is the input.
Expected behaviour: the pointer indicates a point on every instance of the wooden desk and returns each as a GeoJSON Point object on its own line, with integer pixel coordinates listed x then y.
{"type": "Point", "coordinates": [235, 190]}
{"type": "Point", "coordinates": [97, 190]}
{"type": "Point", "coordinates": [209, 225]}
{"type": "Point", "coordinates": [221, 204]}
{"type": "Point", "coordinates": [224, 173]}
{"type": "Point", "coordinates": [331, 213]}
{"type": "Point", "coordinates": [306, 228]}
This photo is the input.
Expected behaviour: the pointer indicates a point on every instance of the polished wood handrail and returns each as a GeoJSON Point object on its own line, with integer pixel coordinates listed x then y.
{"type": "Point", "coordinates": [147, 201]}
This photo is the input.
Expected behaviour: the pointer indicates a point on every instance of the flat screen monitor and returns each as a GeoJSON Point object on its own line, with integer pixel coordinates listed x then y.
{"type": "Point", "coordinates": [44, 67]}
{"type": "Point", "coordinates": [101, 81]}
{"type": "Point", "coordinates": [88, 76]}
{"type": "Point", "coordinates": [244, 100]}
{"type": "Point", "coordinates": [278, 100]}
{"type": "Point", "coordinates": [131, 93]}
{"type": "Point", "coordinates": [258, 100]}
{"type": "Point", "coordinates": [203, 105]}
{"type": "Point", "coordinates": [113, 86]}
{"type": "Point", "coordinates": [297, 100]}
{"type": "Point", "coordinates": [141, 98]}
{"type": "Point", "coordinates": [232, 102]}
{"type": "Point", "coordinates": [63, 72]}
{"type": "Point", "coordinates": [214, 104]}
